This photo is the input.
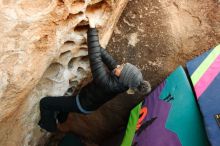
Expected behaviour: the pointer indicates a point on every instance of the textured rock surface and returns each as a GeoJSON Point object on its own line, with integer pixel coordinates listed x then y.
{"type": "Point", "coordinates": [158, 36]}
{"type": "Point", "coordinates": [43, 52]}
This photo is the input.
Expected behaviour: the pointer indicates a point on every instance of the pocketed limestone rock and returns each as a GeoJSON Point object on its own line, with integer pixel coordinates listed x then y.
{"type": "Point", "coordinates": [43, 52]}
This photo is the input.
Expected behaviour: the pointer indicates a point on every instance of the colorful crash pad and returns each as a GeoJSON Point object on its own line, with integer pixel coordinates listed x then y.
{"type": "Point", "coordinates": [169, 116]}
{"type": "Point", "coordinates": [205, 75]}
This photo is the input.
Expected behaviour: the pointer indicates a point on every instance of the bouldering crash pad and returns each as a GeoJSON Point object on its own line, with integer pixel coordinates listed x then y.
{"type": "Point", "coordinates": [205, 76]}
{"type": "Point", "coordinates": [169, 116]}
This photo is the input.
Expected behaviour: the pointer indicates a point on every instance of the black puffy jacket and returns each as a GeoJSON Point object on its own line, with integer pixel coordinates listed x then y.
{"type": "Point", "coordinates": [105, 84]}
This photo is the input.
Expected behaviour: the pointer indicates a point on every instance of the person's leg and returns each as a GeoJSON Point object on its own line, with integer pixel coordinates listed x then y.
{"type": "Point", "coordinates": [50, 105]}
{"type": "Point", "coordinates": [62, 116]}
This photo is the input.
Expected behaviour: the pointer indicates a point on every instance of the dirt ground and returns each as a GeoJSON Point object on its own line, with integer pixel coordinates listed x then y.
{"type": "Point", "coordinates": [157, 36]}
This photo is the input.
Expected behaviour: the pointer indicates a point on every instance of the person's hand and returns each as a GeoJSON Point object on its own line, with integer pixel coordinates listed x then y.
{"type": "Point", "coordinates": [141, 91]}
{"type": "Point", "coordinates": [94, 18]}
{"type": "Point", "coordinates": [91, 24]}
{"type": "Point", "coordinates": [144, 88]}
{"type": "Point", "coordinates": [97, 15]}
{"type": "Point", "coordinates": [90, 18]}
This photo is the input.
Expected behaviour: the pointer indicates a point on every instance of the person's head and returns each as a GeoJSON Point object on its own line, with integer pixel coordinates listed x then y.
{"type": "Point", "coordinates": [129, 75]}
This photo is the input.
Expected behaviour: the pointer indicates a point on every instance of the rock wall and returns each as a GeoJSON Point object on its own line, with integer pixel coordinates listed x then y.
{"type": "Point", "coordinates": [43, 52]}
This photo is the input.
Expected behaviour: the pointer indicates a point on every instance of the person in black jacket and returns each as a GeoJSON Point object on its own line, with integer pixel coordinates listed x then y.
{"type": "Point", "coordinates": [109, 80]}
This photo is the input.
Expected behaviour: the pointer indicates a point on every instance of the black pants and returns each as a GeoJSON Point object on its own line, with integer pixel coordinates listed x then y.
{"type": "Point", "coordinates": [52, 108]}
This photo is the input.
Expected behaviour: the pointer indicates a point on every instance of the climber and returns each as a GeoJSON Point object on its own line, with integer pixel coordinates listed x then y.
{"type": "Point", "coordinates": [109, 79]}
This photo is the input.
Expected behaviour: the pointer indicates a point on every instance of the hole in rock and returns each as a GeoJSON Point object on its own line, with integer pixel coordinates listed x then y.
{"type": "Point", "coordinates": [69, 42]}
{"type": "Point", "coordinates": [67, 46]}
{"type": "Point", "coordinates": [98, 5]}
{"type": "Point", "coordinates": [81, 71]}
{"type": "Point", "coordinates": [65, 54]}
{"type": "Point", "coordinates": [72, 16]}
{"type": "Point", "coordinates": [82, 52]}
{"type": "Point", "coordinates": [82, 26]}
{"type": "Point", "coordinates": [84, 49]}
{"type": "Point", "coordinates": [77, 1]}
{"type": "Point", "coordinates": [72, 87]}
{"type": "Point", "coordinates": [62, 1]}
{"type": "Point", "coordinates": [54, 72]}
{"type": "Point", "coordinates": [71, 63]}
{"type": "Point", "coordinates": [70, 91]}
{"type": "Point", "coordinates": [84, 44]}
{"type": "Point", "coordinates": [74, 83]}
{"type": "Point", "coordinates": [84, 59]}
{"type": "Point", "coordinates": [65, 57]}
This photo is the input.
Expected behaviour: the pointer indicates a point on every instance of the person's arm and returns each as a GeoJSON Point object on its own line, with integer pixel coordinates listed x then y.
{"type": "Point", "coordinates": [109, 61]}
{"type": "Point", "coordinates": [100, 75]}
